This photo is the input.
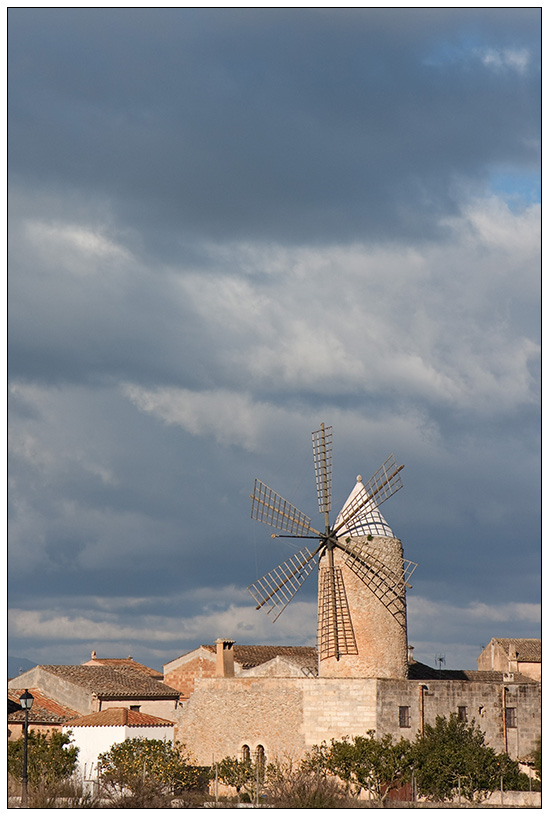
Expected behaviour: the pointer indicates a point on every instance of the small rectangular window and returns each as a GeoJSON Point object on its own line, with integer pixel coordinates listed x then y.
{"type": "Point", "coordinates": [404, 716]}
{"type": "Point", "coordinates": [462, 714]}
{"type": "Point", "coordinates": [511, 722]}
{"type": "Point", "coordinates": [135, 708]}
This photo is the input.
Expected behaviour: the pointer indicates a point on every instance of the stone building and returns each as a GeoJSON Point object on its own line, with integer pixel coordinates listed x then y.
{"type": "Point", "coordinates": [281, 710]}
{"type": "Point", "coordinates": [512, 655]}
{"type": "Point", "coordinates": [87, 689]}
{"type": "Point", "coordinates": [230, 659]}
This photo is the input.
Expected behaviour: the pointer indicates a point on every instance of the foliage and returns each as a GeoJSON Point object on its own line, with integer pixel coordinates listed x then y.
{"type": "Point", "coordinates": [452, 756]}
{"type": "Point", "coordinates": [365, 762]}
{"type": "Point", "coordinates": [241, 774]}
{"type": "Point", "coordinates": [236, 773]}
{"type": "Point", "coordinates": [140, 765]}
{"type": "Point", "coordinates": [50, 757]}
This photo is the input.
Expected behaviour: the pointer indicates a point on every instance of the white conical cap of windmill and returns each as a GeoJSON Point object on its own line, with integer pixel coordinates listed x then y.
{"type": "Point", "coordinates": [369, 521]}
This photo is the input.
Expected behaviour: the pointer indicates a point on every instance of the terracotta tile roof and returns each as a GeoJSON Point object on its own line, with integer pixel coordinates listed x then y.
{"type": "Point", "coordinates": [44, 709]}
{"type": "Point", "coordinates": [528, 649]}
{"type": "Point", "coordinates": [125, 662]}
{"type": "Point", "coordinates": [119, 716]}
{"type": "Point", "coordinates": [422, 672]}
{"type": "Point", "coordinates": [111, 682]}
{"type": "Point", "coordinates": [248, 655]}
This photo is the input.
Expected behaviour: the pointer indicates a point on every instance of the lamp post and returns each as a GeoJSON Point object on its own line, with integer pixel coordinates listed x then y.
{"type": "Point", "coordinates": [25, 700]}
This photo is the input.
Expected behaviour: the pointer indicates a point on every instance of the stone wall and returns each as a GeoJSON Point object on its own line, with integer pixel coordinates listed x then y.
{"type": "Point", "coordinates": [58, 688]}
{"type": "Point", "coordinates": [182, 673]}
{"type": "Point", "coordinates": [482, 701]}
{"type": "Point", "coordinates": [287, 716]}
{"type": "Point", "coordinates": [284, 715]}
{"type": "Point", "coordinates": [224, 714]}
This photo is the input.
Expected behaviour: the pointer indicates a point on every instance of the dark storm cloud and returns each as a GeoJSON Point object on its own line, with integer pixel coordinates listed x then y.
{"type": "Point", "coordinates": [302, 125]}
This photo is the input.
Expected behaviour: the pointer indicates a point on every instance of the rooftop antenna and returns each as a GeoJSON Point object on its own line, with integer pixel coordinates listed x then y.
{"type": "Point", "coordinates": [440, 661]}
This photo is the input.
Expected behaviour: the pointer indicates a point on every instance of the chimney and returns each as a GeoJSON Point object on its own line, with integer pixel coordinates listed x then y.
{"type": "Point", "coordinates": [225, 659]}
{"type": "Point", "coordinates": [94, 655]}
{"type": "Point", "coordinates": [512, 658]}
{"type": "Point", "coordinates": [410, 649]}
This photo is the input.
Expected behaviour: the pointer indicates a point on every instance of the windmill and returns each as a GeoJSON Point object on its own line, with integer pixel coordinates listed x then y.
{"type": "Point", "coordinates": [352, 555]}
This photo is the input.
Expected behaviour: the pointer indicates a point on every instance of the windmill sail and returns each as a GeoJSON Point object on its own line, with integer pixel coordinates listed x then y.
{"type": "Point", "coordinates": [322, 460]}
{"type": "Point", "coordinates": [335, 629]}
{"type": "Point", "coordinates": [271, 509]}
{"type": "Point", "coordinates": [278, 587]}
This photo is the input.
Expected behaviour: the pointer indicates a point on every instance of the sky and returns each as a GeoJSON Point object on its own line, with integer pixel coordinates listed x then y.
{"type": "Point", "coordinates": [227, 226]}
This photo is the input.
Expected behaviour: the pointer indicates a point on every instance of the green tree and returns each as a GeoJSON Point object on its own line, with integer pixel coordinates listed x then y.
{"type": "Point", "coordinates": [377, 765]}
{"type": "Point", "coordinates": [452, 756]}
{"type": "Point", "coordinates": [50, 757]}
{"type": "Point", "coordinates": [241, 774]}
{"type": "Point", "coordinates": [140, 763]}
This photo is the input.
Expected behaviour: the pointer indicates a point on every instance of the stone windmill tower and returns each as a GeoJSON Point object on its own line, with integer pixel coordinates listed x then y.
{"type": "Point", "coordinates": [362, 621]}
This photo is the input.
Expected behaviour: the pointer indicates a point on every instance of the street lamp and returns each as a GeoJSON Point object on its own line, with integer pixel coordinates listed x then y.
{"type": "Point", "coordinates": [25, 700]}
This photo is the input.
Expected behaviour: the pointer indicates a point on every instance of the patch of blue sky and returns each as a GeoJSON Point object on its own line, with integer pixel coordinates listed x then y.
{"type": "Point", "coordinates": [471, 51]}
{"type": "Point", "coordinates": [519, 188]}
{"type": "Point", "coordinates": [447, 53]}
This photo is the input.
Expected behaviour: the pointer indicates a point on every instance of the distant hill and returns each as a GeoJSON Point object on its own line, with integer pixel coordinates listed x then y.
{"type": "Point", "coordinates": [18, 665]}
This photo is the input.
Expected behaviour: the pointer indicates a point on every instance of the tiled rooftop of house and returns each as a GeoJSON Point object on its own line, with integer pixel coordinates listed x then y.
{"type": "Point", "coordinates": [110, 682]}
{"type": "Point", "coordinates": [119, 716]}
{"type": "Point", "coordinates": [125, 662]}
{"type": "Point", "coordinates": [248, 655]}
{"type": "Point", "coordinates": [44, 709]}
{"type": "Point", "coordinates": [422, 672]}
{"type": "Point", "coordinates": [528, 649]}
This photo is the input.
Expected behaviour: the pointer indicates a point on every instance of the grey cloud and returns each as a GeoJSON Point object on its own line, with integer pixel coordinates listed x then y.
{"type": "Point", "coordinates": [279, 125]}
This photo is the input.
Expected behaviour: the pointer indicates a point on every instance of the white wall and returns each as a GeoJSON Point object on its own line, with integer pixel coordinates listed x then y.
{"type": "Point", "coordinates": [93, 740]}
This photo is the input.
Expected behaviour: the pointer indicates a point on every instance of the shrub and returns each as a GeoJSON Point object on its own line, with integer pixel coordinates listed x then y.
{"type": "Point", "coordinates": [290, 786]}
{"type": "Point", "coordinates": [146, 770]}
{"type": "Point", "coordinates": [50, 757]}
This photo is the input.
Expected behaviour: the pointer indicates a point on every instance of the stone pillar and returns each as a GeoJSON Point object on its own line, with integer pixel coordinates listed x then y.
{"type": "Point", "coordinates": [225, 660]}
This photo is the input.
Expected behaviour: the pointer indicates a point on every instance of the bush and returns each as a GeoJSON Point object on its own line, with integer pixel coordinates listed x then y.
{"type": "Point", "coordinates": [452, 756]}
{"type": "Point", "coordinates": [148, 771]}
{"type": "Point", "coordinates": [289, 786]}
{"type": "Point", "coordinates": [50, 758]}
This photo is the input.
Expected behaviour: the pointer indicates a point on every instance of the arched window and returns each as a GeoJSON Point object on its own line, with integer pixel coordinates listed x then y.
{"type": "Point", "coordinates": [260, 758]}
{"type": "Point", "coordinates": [245, 753]}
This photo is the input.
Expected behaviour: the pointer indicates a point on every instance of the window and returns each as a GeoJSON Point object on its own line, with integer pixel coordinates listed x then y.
{"type": "Point", "coordinates": [245, 753]}
{"type": "Point", "coordinates": [511, 722]}
{"type": "Point", "coordinates": [135, 708]}
{"type": "Point", "coordinates": [463, 714]}
{"type": "Point", "coordinates": [404, 716]}
{"type": "Point", "coordinates": [260, 760]}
